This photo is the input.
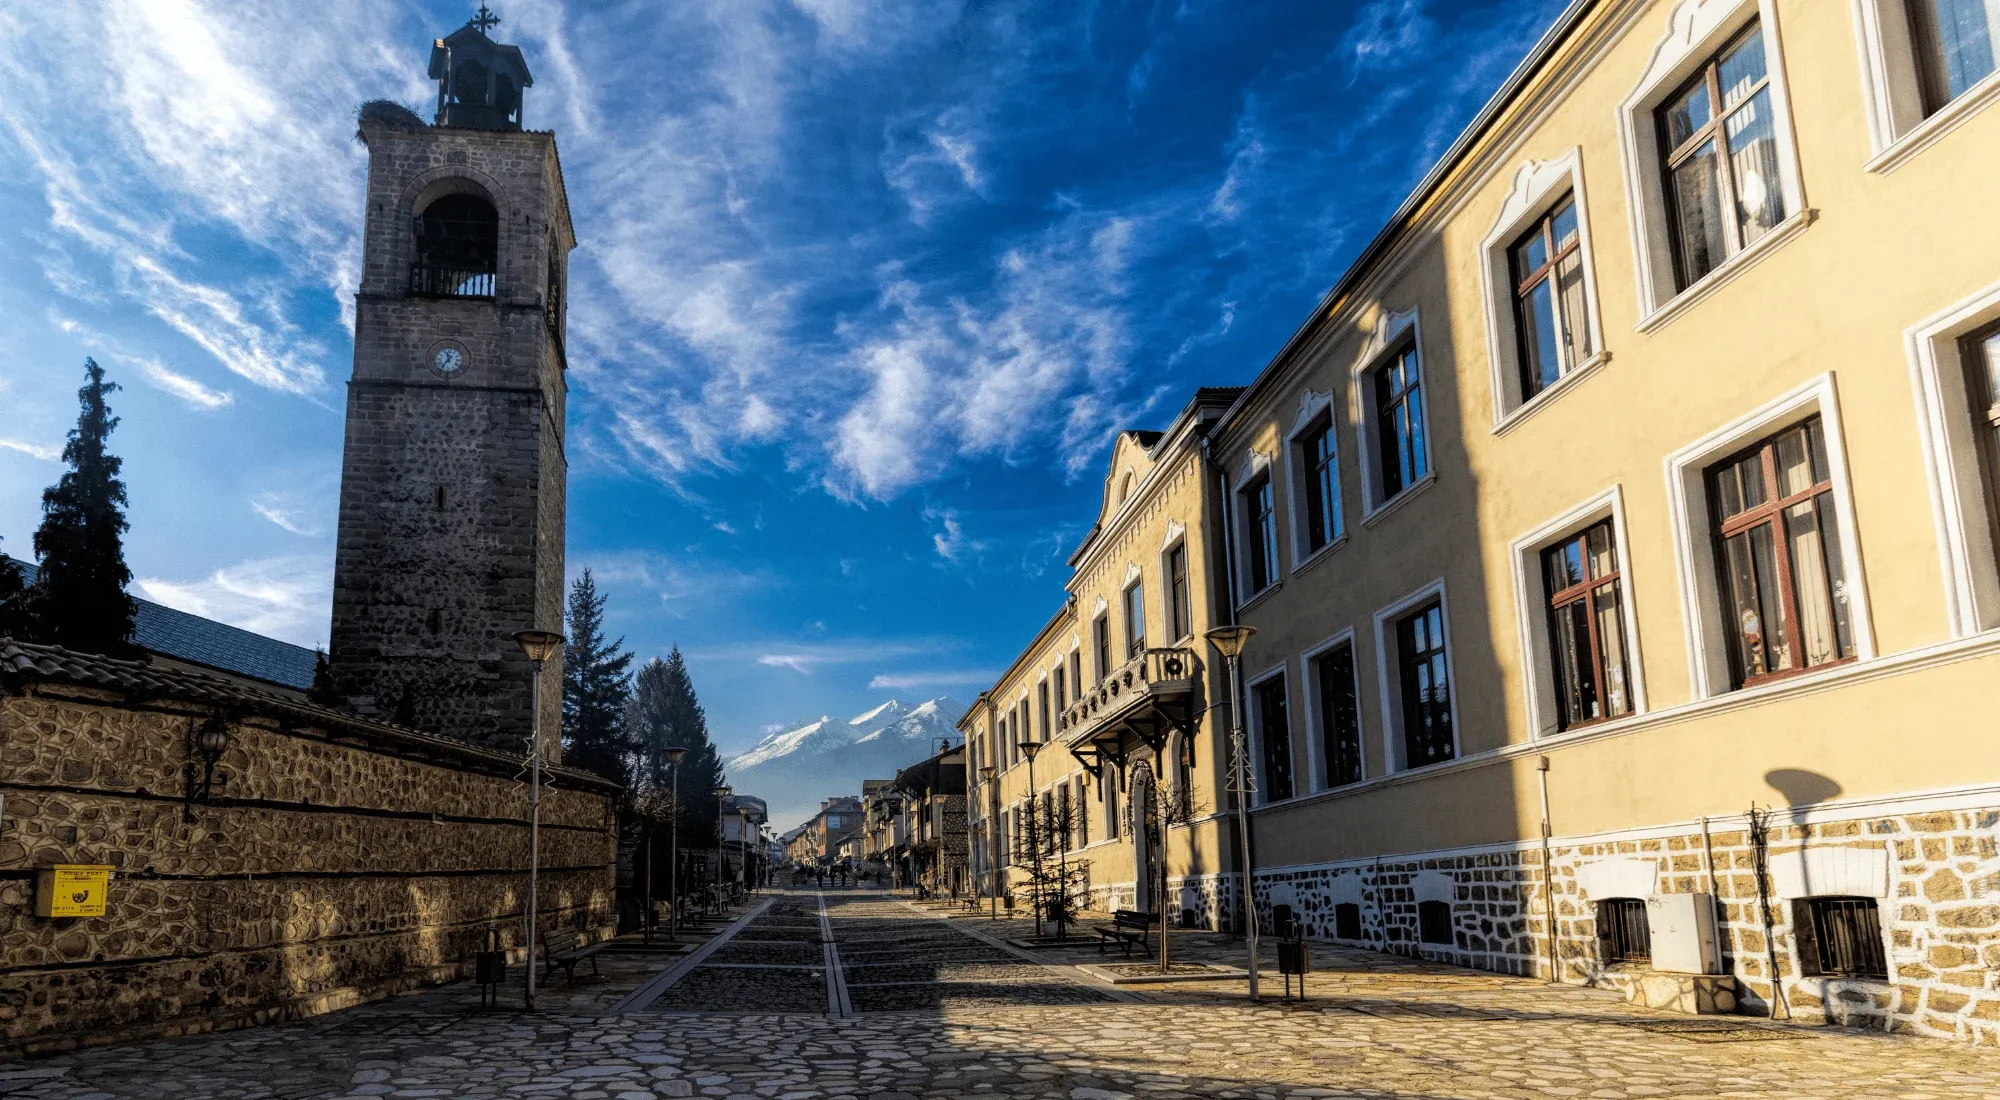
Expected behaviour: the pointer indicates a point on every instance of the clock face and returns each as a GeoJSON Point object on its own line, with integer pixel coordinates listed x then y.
{"type": "Point", "coordinates": [448, 361]}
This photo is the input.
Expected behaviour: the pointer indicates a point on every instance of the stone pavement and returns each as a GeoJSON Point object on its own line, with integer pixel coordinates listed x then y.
{"type": "Point", "coordinates": [987, 1021]}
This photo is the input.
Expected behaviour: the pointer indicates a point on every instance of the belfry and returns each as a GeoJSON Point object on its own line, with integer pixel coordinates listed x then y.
{"type": "Point", "coordinates": [453, 478]}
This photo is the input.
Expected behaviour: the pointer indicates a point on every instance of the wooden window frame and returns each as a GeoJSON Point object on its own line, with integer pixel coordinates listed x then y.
{"type": "Point", "coordinates": [1409, 396]}
{"type": "Point", "coordinates": [1709, 73]}
{"type": "Point", "coordinates": [1771, 512]}
{"type": "Point", "coordinates": [1329, 734]}
{"type": "Point", "coordinates": [1260, 507]}
{"type": "Point", "coordinates": [1524, 285]}
{"type": "Point", "coordinates": [1980, 386]}
{"type": "Point", "coordinates": [1926, 43]}
{"type": "Point", "coordinates": [1318, 448]}
{"type": "Point", "coordinates": [1134, 598]}
{"type": "Point", "coordinates": [1180, 615]}
{"type": "Point", "coordinates": [1408, 660]}
{"type": "Point", "coordinates": [1585, 592]}
{"type": "Point", "coordinates": [1280, 741]}
{"type": "Point", "coordinates": [1100, 640]}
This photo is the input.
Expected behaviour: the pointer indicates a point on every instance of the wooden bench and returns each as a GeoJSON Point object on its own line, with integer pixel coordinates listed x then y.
{"type": "Point", "coordinates": [1128, 928]}
{"type": "Point", "coordinates": [567, 961]}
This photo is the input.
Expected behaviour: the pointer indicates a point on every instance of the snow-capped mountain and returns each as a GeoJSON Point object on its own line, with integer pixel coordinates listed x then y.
{"type": "Point", "coordinates": [796, 767]}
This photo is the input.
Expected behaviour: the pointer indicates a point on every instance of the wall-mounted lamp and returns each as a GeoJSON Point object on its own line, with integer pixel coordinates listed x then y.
{"type": "Point", "coordinates": [205, 744]}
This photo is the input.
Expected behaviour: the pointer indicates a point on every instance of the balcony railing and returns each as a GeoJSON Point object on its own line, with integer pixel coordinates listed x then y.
{"type": "Point", "coordinates": [1150, 678]}
{"type": "Point", "coordinates": [433, 281]}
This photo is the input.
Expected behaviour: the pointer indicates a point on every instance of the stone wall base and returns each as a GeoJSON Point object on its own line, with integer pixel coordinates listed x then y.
{"type": "Point", "coordinates": [1694, 994]}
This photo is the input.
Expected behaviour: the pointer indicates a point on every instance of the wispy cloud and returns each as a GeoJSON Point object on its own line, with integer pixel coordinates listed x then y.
{"type": "Point", "coordinates": [909, 681]}
{"type": "Point", "coordinates": [193, 393]}
{"type": "Point", "coordinates": [797, 662]}
{"type": "Point", "coordinates": [47, 452]}
{"type": "Point", "coordinates": [285, 597]}
{"type": "Point", "coordinates": [280, 509]}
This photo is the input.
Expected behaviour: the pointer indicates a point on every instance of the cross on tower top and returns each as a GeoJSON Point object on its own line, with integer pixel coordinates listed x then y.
{"type": "Point", "coordinates": [485, 20]}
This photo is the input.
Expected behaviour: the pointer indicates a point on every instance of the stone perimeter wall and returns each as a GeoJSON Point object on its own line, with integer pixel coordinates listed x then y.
{"type": "Point", "coordinates": [318, 876]}
{"type": "Point", "coordinates": [1940, 915]}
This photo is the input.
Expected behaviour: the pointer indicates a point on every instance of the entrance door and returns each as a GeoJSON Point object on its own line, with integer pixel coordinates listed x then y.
{"type": "Point", "coordinates": [1144, 844]}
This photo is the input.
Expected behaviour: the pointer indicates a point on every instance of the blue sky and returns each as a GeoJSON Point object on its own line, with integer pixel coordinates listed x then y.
{"type": "Point", "coordinates": [863, 289]}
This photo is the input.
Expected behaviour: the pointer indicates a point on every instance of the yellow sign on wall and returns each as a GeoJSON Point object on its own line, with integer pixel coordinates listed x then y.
{"type": "Point", "coordinates": [72, 890]}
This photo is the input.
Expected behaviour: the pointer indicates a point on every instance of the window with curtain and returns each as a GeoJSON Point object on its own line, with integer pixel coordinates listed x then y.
{"type": "Point", "coordinates": [1062, 697]}
{"type": "Point", "coordinates": [1042, 703]}
{"type": "Point", "coordinates": [1274, 731]}
{"type": "Point", "coordinates": [1100, 632]}
{"type": "Point", "coordinates": [1135, 620]}
{"type": "Point", "coordinates": [1399, 423]}
{"type": "Point", "coordinates": [1322, 488]}
{"type": "Point", "coordinates": [1076, 671]}
{"type": "Point", "coordinates": [1179, 615]}
{"type": "Point", "coordinates": [1721, 158]}
{"type": "Point", "coordinates": [1784, 586]}
{"type": "Point", "coordinates": [1339, 715]}
{"type": "Point", "coordinates": [1425, 676]}
{"type": "Point", "coordinates": [1586, 627]}
{"type": "Point", "coordinates": [1262, 533]}
{"type": "Point", "coordinates": [1954, 44]}
{"type": "Point", "coordinates": [1549, 318]}
{"type": "Point", "coordinates": [1981, 353]}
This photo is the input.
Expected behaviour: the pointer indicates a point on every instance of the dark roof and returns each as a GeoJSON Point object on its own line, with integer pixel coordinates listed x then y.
{"type": "Point", "coordinates": [161, 629]}
{"type": "Point", "coordinates": [941, 774]}
{"type": "Point", "coordinates": [22, 664]}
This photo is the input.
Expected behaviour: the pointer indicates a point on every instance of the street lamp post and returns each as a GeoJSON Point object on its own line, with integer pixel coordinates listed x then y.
{"type": "Point", "coordinates": [539, 645]}
{"type": "Point", "coordinates": [1228, 640]}
{"type": "Point", "coordinates": [993, 839]}
{"type": "Point", "coordinates": [674, 843]}
{"type": "Point", "coordinates": [721, 799]}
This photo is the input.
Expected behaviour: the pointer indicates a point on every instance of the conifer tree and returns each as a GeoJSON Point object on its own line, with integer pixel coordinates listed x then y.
{"type": "Point", "coordinates": [80, 600]}
{"type": "Point", "coordinates": [595, 688]}
{"type": "Point", "coordinates": [322, 689]}
{"type": "Point", "coordinates": [14, 621]}
{"type": "Point", "coordinates": [664, 713]}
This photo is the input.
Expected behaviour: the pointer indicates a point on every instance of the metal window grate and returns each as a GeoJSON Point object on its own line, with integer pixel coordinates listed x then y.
{"type": "Point", "coordinates": [1623, 930]}
{"type": "Point", "coordinates": [1347, 921]}
{"type": "Point", "coordinates": [1434, 922]}
{"type": "Point", "coordinates": [1840, 938]}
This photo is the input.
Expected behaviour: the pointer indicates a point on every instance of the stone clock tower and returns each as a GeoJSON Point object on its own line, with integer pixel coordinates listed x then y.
{"type": "Point", "coordinates": [452, 483]}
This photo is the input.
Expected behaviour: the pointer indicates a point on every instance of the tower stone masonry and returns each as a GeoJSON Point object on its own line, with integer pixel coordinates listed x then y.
{"type": "Point", "coordinates": [453, 478]}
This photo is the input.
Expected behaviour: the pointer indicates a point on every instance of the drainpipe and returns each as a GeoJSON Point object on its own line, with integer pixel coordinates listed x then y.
{"type": "Point", "coordinates": [1548, 871]}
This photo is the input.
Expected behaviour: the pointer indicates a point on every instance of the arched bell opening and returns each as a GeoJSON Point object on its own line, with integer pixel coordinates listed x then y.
{"type": "Point", "coordinates": [457, 251]}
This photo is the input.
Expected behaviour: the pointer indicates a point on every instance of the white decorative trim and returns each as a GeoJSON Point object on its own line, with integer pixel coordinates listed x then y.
{"type": "Point", "coordinates": [1175, 529]}
{"type": "Point", "coordinates": [1100, 608]}
{"type": "Point", "coordinates": [1387, 332]}
{"type": "Point", "coordinates": [1728, 271]}
{"type": "Point", "coordinates": [1618, 878]}
{"type": "Point", "coordinates": [1695, 29]}
{"type": "Point", "coordinates": [1538, 185]}
{"type": "Point", "coordinates": [1550, 392]}
{"type": "Point", "coordinates": [1254, 462]}
{"type": "Point", "coordinates": [1386, 660]}
{"type": "Point", "coordinates": [1392, 330]}
{"type": "Point", "coordinates": [1404, 496]}
{"type": "Point", "coordinates": [1311, 404]}
{"type": "Point", "coordinates": [1131, 574]}
{"type": "Point", "coordinates": [1951, 460]}
{"type": "Point", "coordinates": [1530, 601]}
{"type": "Point", "coordinates": [1344, 890]}
{"type": "Point", "coordinates": [1310, 688]}
{"type": "Point", "coordinates": [1694, 550]}
{"type": "Point", "coordinates": [1434, 886]}
{"type": "Point", "coordinates": [1823, 872]}
{"type": "Point", "coordinates": [1891, 93]}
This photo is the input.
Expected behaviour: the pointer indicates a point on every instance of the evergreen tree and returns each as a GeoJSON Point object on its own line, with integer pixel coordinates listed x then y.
{"type": "Point", "coordinates": [322, 689]}
{"type": "Point", "coordinates": [595, 688]}
{"type": "Point", "coordinates": [663, 714]}
{"type": "Point", "coordinates": [80, 600]}
{"type": "Point", "coordinates": [14, 621]}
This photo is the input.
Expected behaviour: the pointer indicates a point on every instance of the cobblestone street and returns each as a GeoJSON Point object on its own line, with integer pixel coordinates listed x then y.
{"type": "Point", "coordinates": [867, 996]}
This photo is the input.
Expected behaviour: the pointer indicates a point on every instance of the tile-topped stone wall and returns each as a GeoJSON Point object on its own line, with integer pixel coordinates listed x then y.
{"type": "Point", "coordinates": [319, 874]}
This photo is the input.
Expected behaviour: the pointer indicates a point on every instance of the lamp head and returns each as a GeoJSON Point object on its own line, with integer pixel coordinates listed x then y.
{"type": "Point", "coordinates": [539, 645]}
{"type": "Point", "coordinates": [1228, 640]}
{"type": "Point", "coordinates": [986, 773]}
{"type": "Point", "coordinates": [1030, 748]}
{"type": "Point", "coordinates": [723, 792]}
{"type": "Point", "coordinates": [214, 737]}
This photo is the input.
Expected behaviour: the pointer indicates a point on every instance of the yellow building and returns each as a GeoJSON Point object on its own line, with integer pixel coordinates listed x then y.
{"type": "Point", "coordinates": [1620, 532]}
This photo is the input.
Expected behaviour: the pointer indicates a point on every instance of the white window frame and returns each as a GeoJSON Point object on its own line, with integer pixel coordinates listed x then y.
{"type": "Point", "coordinates": [1255, 464]}
{"type": "Point", "coordinates": [1693, 526]}
{"type": "Point", "coordinates": [1892, 94]}
{"type": "Point", "coordinates": [1255, 727]}
{"type": "Point", "coordinates": [1176, 536]}
{"type": "Point", "coordinates": [1133, 579]}
{"type": "Point", "coordinates": [1392, 331]}
{"type": "Point", "coordinates": [1531, 601]}
{"type": "Point", "coordinates": [1299, 475]}
{"type": "Point", "coordinates": [1951, 460]}
{"type": "Point", "coordinates": [1315, 734]}
{"type": "Point", "coordinates": [1696, 29]}
{"type": "Point", "coordinates": [1538, 185]}
{"type": "Point", "coordinates": [1388, 668]}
